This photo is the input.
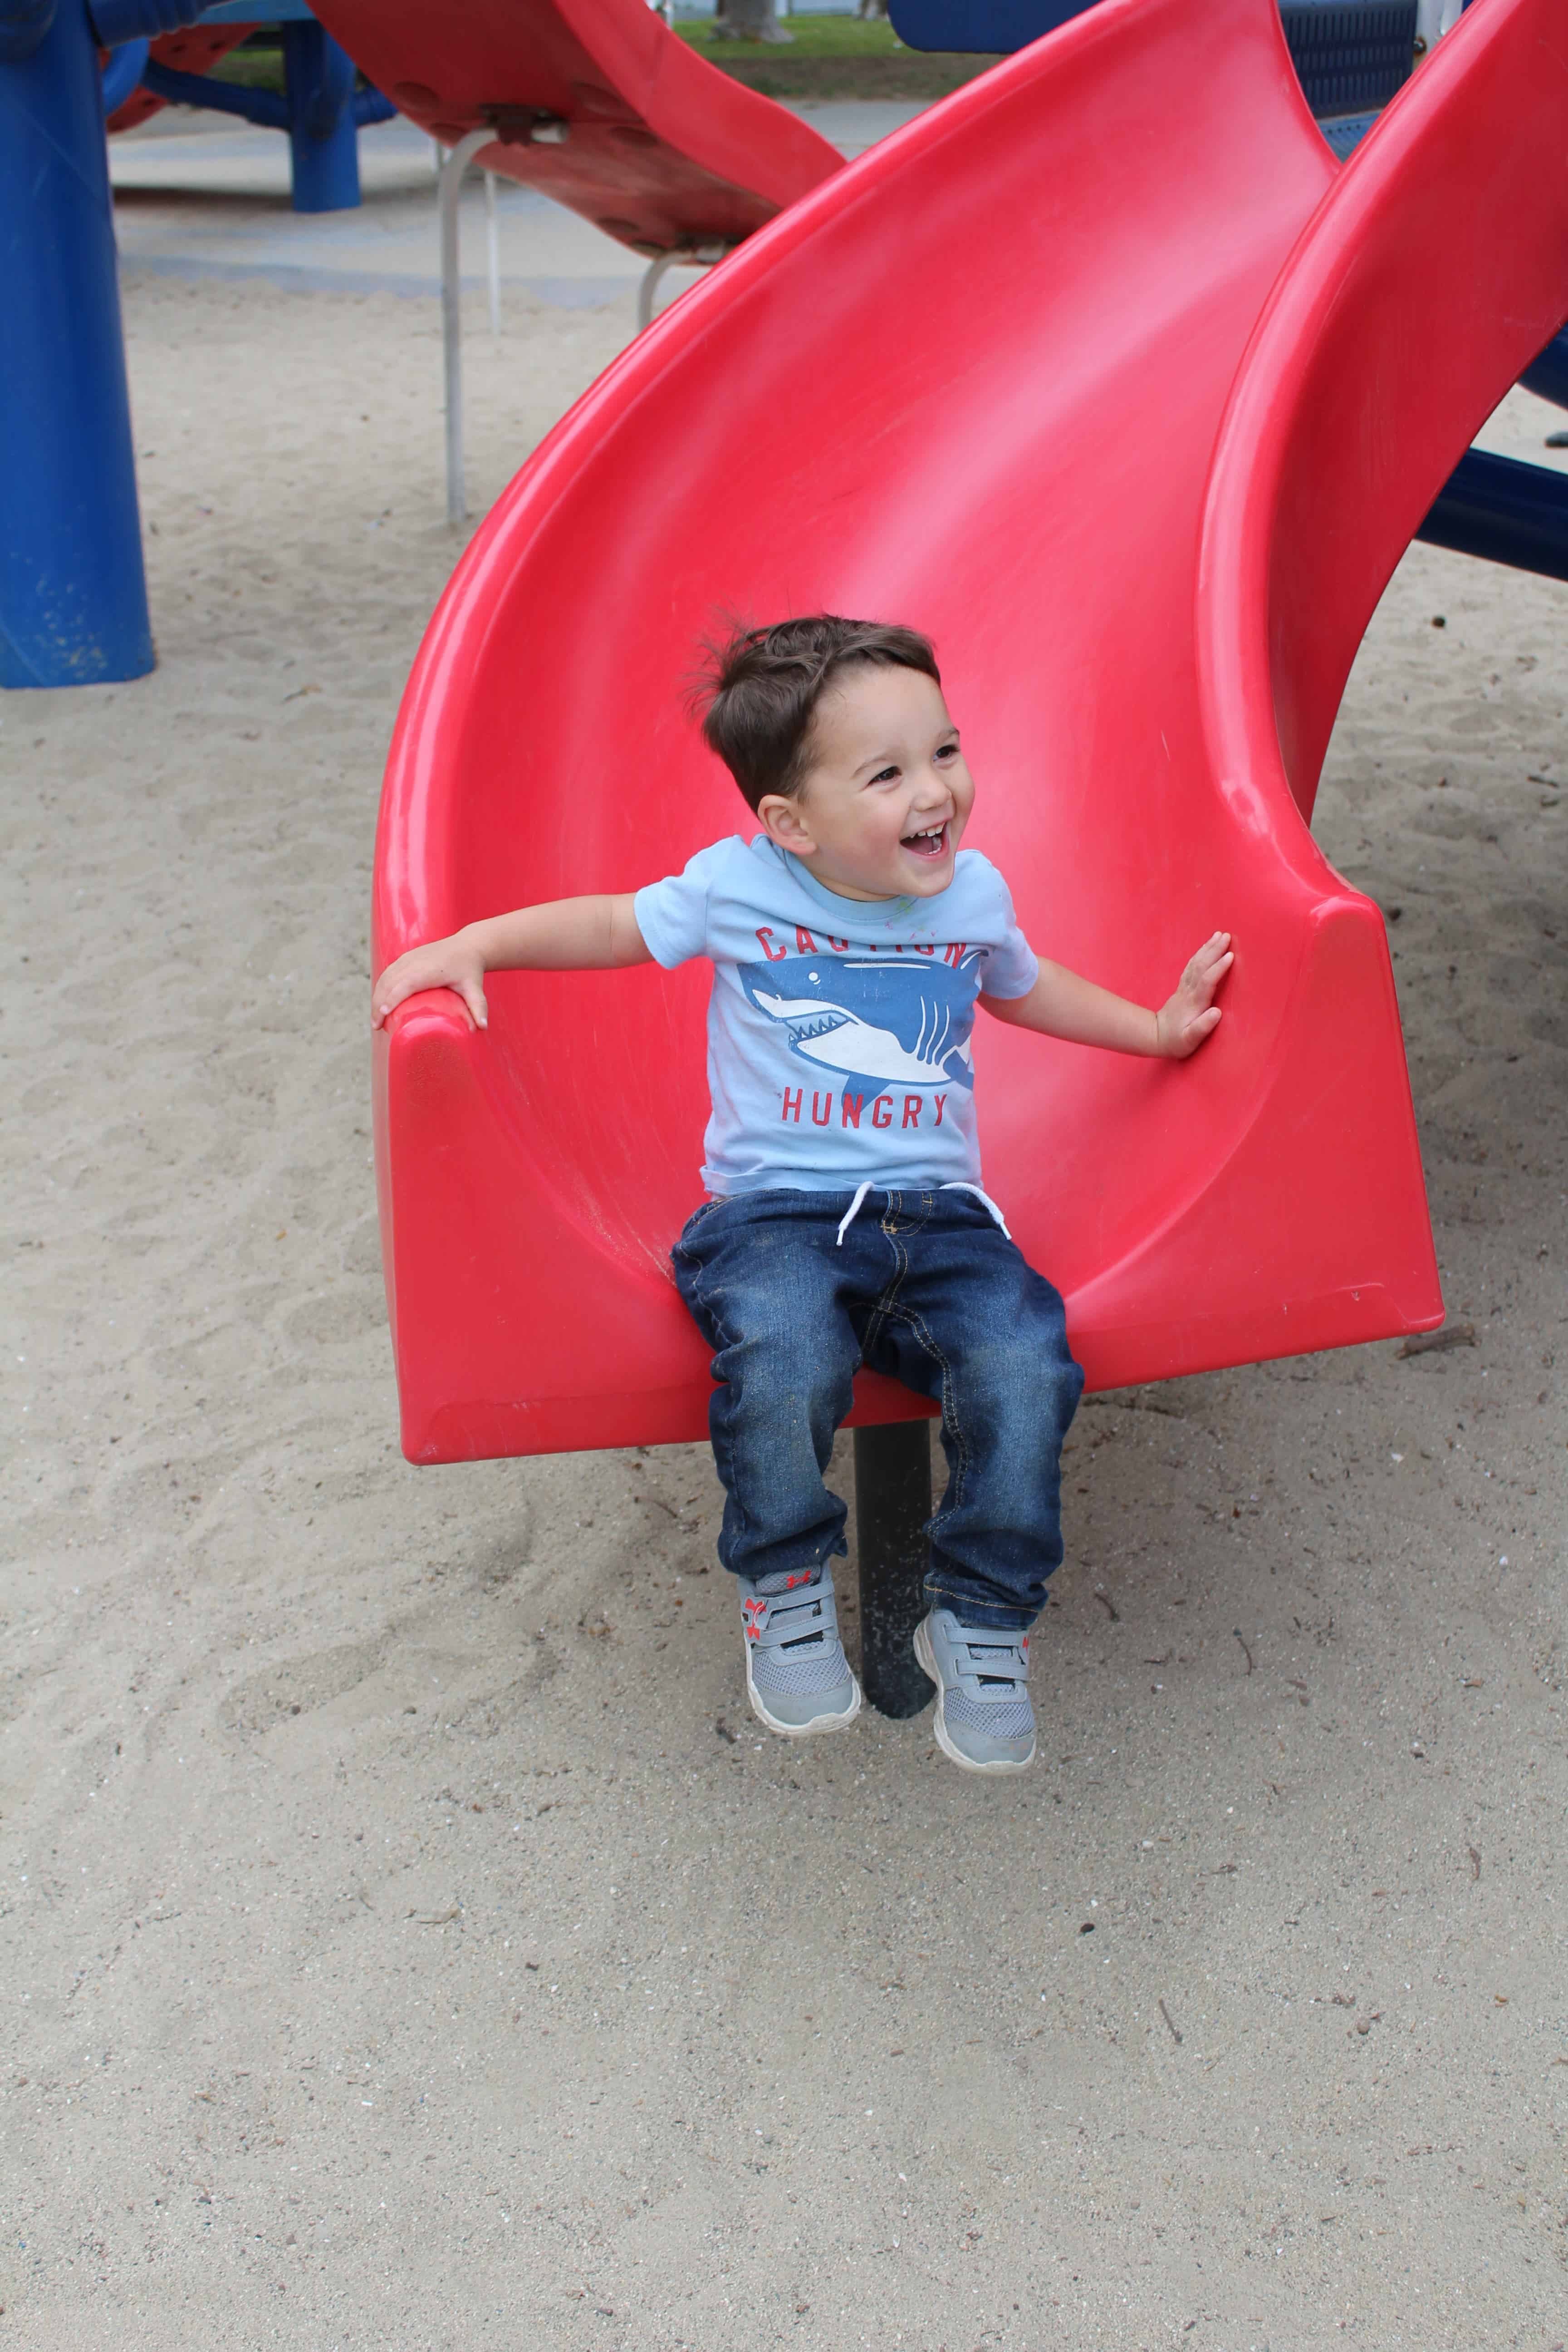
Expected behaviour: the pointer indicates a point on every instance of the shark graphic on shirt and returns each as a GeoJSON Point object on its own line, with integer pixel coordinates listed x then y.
{"type": "Point", "coordinates": [882, 1022]}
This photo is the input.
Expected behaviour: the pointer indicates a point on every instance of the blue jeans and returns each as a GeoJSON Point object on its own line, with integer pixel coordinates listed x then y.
{"type": "Point", "coordinates": [927, 1288]}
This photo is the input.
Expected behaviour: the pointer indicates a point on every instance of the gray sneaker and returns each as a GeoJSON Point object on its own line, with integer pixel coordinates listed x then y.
{"type": "Point", "coordinates": [797, 1676]}
{"type": "Point", "coordinates": [983, 1719]}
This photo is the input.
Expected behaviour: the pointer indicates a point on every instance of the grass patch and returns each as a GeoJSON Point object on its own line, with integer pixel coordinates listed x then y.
{"type": "Point", "coordinates": [812, 37]}
{"type": "Point", "coordinates": [256, 64]}
{"type": "Point", "coordinates": [829, 57]}
{"type": "Point", "coordinates": [834, 57]}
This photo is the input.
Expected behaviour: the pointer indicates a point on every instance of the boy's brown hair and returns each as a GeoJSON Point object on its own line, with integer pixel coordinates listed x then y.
{"type": "Point", "coordinates": [764, 687]}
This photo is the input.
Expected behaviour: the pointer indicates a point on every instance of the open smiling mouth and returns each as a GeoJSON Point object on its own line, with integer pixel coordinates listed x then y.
{"type": "Point", "coordinates": [933, 843]}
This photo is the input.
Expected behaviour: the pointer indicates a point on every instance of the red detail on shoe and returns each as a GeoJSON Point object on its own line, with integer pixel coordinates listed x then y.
{"type": "Point", "coordinates": [791, 1581]}
{"type": "Point", "coordinates": [753, 1634]}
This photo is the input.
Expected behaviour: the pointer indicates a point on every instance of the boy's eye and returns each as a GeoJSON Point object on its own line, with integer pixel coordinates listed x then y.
{"type": "Point", "coordinates": [947, 752]}
{"type": "Point", "coordinates": [885, 776]}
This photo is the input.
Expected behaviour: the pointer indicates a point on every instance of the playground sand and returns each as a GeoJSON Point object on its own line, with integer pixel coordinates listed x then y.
{"type": "Point", "coordinates": [407, 1942]}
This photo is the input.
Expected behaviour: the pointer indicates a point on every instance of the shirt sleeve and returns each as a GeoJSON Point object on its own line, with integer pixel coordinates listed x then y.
{"type": "Point", "coordinates": [1012, 967]}
{"type": "Point", "coordinates": [672, 915]}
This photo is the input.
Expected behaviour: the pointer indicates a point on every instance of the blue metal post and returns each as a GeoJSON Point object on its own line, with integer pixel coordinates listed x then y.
{"type": "Point", "coordinates": [323, 138]}
{"type": "Point", "coordinates": [1504, 511]}
{"type": "Point", "coordinates": [122, 73]}
{"type": "Point", "coordinates": [73, 598]}
{"type": "Point", "coordinates": [1547, 375]}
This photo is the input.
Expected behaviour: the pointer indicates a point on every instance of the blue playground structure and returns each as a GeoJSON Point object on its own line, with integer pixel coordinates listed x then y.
{"type": "Point", "coordinates": [73, 597]}
{"type": "Point", "coordinates": [320, 110]}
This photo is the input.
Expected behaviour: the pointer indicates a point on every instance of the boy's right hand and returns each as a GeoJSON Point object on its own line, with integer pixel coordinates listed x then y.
{"type": "Point", "coordinates": [455, 963]}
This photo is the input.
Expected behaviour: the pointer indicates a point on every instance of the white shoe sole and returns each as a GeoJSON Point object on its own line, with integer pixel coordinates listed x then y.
{"type": "Point", "coordinates": [818, 1723]}
{"type": "Point", "coordinates": [927, 1657]}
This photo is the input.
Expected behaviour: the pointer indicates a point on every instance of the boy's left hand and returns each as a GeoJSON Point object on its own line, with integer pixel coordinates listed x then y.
{"type": "Point", "coordinates": [1191, 1015]}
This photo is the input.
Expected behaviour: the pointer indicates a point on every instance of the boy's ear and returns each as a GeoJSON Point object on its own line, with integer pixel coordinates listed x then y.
{"type": "Point", "coordinates": [784, 821]}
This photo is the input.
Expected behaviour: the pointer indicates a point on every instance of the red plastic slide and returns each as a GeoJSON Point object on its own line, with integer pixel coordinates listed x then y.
{"type": "Point", "coordinates": [661, 151]}
{"type": "Point", "coordinates": [976, 381]}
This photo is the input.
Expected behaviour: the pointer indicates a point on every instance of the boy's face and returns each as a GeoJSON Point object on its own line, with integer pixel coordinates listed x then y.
{"type": "Point", "coordinates": [886, 795]}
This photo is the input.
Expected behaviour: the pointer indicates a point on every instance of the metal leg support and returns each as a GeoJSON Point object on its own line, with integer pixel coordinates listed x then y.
{"type": "Point", "coordinates": [892, 1504]}
{"type": "Point", "coordinates": [492, 251]}
{"type": "Point", "coordinates": [651, 278]}
{"type": "Point", "coordinates": [450, 191]}
{"type": "Point", "coordinates": [693, 256]}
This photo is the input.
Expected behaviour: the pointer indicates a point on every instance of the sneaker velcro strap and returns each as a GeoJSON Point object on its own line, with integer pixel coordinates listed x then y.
{"type": "Point", "coordinates": [773, 1621]}
{"type": "Point", "coordinates": [1000, 1658]}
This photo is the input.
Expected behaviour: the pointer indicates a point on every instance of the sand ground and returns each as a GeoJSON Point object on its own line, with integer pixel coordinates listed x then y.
{"type": "Point", "coordinates": [407, 1943]}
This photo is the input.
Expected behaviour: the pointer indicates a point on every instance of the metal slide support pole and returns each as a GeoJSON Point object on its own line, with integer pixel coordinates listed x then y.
{"type": "Point", "coordinates": [492, 251]}
{"type": "Point", "coordinates": [649, 287]}
{"type": "Point", "coordinates": [449, 193]}
{"type": "Point", "coordinates": [73, 596]}
{"type": "Point", "coordinates": [689, 256]}
{"type": "Point", "coordinates": [892, 1504]}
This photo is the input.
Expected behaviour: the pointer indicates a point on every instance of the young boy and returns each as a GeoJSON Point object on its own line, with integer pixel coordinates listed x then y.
{"type": "Point", "coordinates": [851, 940]}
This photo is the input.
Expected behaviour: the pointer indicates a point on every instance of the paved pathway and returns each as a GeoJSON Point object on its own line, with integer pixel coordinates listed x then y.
{"type": "Point", "coordinates": [200, 195]}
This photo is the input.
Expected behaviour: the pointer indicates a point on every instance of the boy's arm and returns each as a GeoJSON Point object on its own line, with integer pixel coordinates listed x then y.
{"type": "Point", "coordinates": [1061, 1005]}
{"type": "Point", "coordinates": [562, 935]}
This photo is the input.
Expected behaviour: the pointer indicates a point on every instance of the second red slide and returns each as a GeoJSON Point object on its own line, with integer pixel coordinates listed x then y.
{"type": "Point", "coordinates": [660, 149]}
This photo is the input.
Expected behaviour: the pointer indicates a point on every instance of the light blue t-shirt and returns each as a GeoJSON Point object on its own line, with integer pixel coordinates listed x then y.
{"type": "Point", "coordinates": [838, 1029]}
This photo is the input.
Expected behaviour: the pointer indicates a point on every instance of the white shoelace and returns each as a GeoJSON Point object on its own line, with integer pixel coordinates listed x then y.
{"type": "Point", "coordinates": [853, 1211]}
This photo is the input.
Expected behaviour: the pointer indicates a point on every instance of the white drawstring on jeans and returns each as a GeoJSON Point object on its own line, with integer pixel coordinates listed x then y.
{"type": "Point", "coordinates": [853, 1211]}
{"type": "Point", "coordinates": [986, 1201]}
